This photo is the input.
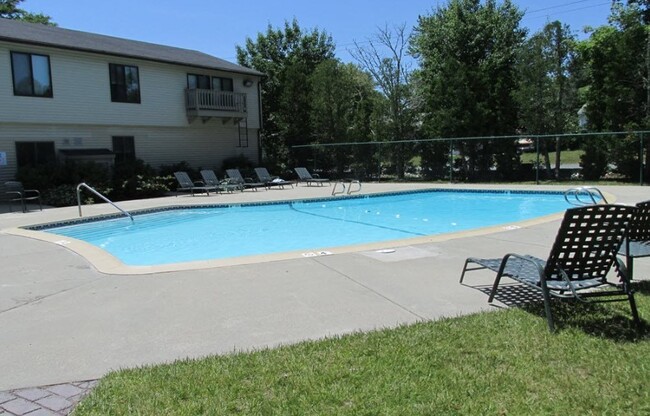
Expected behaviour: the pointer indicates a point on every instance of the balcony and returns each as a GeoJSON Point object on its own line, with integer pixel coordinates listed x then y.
{"type": "Point", "coordinates": [205, 104]}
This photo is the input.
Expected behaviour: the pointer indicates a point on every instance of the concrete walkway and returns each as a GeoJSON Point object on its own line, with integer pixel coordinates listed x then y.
{"type": "Point", "coordinates": [62, 321]}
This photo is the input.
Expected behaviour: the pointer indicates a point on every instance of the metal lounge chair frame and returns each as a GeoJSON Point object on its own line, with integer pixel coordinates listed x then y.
{"type": "Point", "coordinates": [248, 183]}
{"type": "Point", "coordinates": [265, 177]}
{"type": "Point", "coordinates": [210, 179]}
{"type": "Point", "coordinates": [308, 178]}
{"type": "Point", "coordinates": [186, 184]}
{"type": "Point", "coordinates": [637, 243]}
{"type": "Point", "coordinates": [584, 251]}
{"type": "Point", "coordinates": [17, 192]}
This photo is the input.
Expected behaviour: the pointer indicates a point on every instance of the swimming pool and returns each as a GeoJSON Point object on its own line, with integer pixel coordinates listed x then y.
{"type": "Point", "coordinates": [190, 234]}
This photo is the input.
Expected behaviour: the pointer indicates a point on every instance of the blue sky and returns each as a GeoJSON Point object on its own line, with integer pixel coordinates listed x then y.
{"type": "Point", "coordinates": [215, 27]}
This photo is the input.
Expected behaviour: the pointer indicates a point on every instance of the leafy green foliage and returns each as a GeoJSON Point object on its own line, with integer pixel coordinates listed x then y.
{"type": "Point", "coordinates": [594, 159]}
{"type": "Point", "coordinates": [547, 92]}
{"type": "Point", "coordinates": [467, 52]}
{"type": "Point", "coordinates": [9, 10]}
{"type": "Point", "coordinates": [286, 56]}
{"type": "Point", "coordinates": [384, 57]}
{"type": "Point", "coordinates": [342, 109]}
{"type": "Point", "coordinates": [129, 180]}
{"type": "Point", "coordinates": [618, 58]}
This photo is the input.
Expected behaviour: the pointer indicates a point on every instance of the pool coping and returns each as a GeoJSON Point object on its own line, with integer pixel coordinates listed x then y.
{"type": "Point", "coordinates": [105, 263]}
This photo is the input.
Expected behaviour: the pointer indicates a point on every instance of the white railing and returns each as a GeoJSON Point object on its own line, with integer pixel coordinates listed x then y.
{"type": "Point", "coordinates": [202, 99]}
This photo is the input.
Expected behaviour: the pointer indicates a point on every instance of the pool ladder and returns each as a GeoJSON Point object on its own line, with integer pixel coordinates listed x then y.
{"type": "Point", "coordinates": [350, 190]}
{"type": "Point", "coordinates": [573, 195]}
{"type": "Point", "coordinates": [94, 191]}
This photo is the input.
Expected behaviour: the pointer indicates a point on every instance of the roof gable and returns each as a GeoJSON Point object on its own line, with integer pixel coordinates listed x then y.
{"type": "Point", "coordinates": [43, 35]}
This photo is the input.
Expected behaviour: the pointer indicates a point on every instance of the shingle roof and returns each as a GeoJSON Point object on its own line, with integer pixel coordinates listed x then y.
{"type": "Point", "coordinates": [43, 35]}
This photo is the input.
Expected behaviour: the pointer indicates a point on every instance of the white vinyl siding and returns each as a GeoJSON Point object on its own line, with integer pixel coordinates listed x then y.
{"type": "Point", "coordinates": [82, 91]}
{"type": "Point", "coordinates": [204, 145]}
{"type": "Point", "coordinates": [81, 114]}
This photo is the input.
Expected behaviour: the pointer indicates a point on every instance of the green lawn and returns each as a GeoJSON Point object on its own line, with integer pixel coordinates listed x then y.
{"type": "Point", "coordinates": [566, 156]}
{"type": "Point", "coordinates": [504, 362]}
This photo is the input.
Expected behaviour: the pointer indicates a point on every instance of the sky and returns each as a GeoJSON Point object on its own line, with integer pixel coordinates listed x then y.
{"type": "Point", "coordinates": [215, 27]}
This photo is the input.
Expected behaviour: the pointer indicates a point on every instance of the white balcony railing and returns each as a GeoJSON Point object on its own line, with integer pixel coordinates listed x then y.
{"type": "Point", "coordinates": [211, 100]}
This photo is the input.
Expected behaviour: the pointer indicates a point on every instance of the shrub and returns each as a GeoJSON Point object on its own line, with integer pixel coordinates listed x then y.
{"type": "Point", "coordinates": [141, 186]}
{"type": "Point", "coordinates": [237, 162]}
{"type": "Point", "coordinates": [168, 170]}
{"type": "Point", "coordinates": [60, 196]}
{"type": "Point", "coordinates": [594, 160]}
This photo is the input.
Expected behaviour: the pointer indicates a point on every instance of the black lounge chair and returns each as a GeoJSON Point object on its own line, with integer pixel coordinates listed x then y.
{"type": "Point", "coordinates": [637, 243]}
{"type": "Point", "coordinates": [583, 253]}
{"type": "Point", "coordinates": [305, 176]}
{"type": "Point", "coordinates": [265, 177]}
{"type": "Point", "coordinates": [210, 179]}
{"type": "Point", "coordinates": [17, 193]}
{"type": "Point", "coordinates": [186, 184]}
{"type": "Point", "coordinates": [247, 183]}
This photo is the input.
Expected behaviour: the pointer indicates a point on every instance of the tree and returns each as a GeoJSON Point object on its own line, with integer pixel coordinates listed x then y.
{"type": "Point", "coordinates": [392, 77]}
{"type": "Point", "coordinates": [467, 53]}
{"type": "Point", "coordinates": [9, 10]}
{"type": "Point", "coordinates": [618, 98]}
{"type": "Point", "coordinates": [287, 57]}
{"type": "Point", "coordinates": [343, 103]}
{"type": "Point", "coordinates": [546, 93]}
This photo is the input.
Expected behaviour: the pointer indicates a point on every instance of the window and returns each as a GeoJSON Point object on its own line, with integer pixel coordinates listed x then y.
{"type": "Point", "coordinates": [34, 153]}
{"type": "Point", "coordinates": [125, 83]}
{"type": "Point", "coordinates": [124, 149]}
{"type": "Point", "coordinates": [206, 83]}
{"type": "Point", "coordinates": [222, 84]}
{"type": "Point", "coordinates": [198, 81]}
{"type": "Point", "coordinates": [31, 74]}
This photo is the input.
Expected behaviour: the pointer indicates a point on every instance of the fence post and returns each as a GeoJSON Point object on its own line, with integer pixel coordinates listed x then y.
{"type": "Point", "coordinates": [451, 160]}
{"type": "Point", "coordinates": [641, 159]}
{"type": "Point", "coordinates": [378, 162]}
{"type": "Point", "coordinates": [537, 160]}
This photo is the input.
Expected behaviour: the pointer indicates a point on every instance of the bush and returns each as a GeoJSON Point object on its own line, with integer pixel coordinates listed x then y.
{"type": "Point", "coordinates": [594, 160]}
{"type": "Point", "coordinates": [39, 177]}
{"type": "Point", "coordinates": [237, 162]}
{"type": "Point", "coordinates": [168, 170]}
{"type": "Point", "coordinates": [136, 179]}
{"type": "Point", "coordinates": [60, 196]}
{"type": "Point", "coordinates": [141, 186]}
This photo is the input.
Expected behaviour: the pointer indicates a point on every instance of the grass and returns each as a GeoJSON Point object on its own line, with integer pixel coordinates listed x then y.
{"type": "Point", "coordinates": [566, 157]}
{"type": "Point", "coordinates": [505, 362]}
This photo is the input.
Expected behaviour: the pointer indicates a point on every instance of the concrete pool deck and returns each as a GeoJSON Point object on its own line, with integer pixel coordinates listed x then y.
{"type": "Point", "coordinates": [63, 321]}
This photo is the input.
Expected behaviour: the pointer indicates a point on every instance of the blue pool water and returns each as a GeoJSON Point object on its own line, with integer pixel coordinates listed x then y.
{"type": "Point", "coordinates": [191, 234]}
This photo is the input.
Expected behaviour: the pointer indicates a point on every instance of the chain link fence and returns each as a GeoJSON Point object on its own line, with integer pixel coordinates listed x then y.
{"type": "Point", "coordinates": [589, 157]}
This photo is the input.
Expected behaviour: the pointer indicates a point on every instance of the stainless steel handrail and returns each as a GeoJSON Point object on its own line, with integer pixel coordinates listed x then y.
{"type": "Point", "coordinates": [584, 190]}
{"type": "Point", "coordinates": [350, 190]}
{"type": "Point", "coordinates": [93, 190]}
{"type": "Point", "coordinates": [334, 188]}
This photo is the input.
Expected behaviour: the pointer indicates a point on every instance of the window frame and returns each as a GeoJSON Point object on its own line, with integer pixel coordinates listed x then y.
{"type": "Point", "coordinates": [50, 90]}
{"type": "Point", "coordinates": [119, 86]}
